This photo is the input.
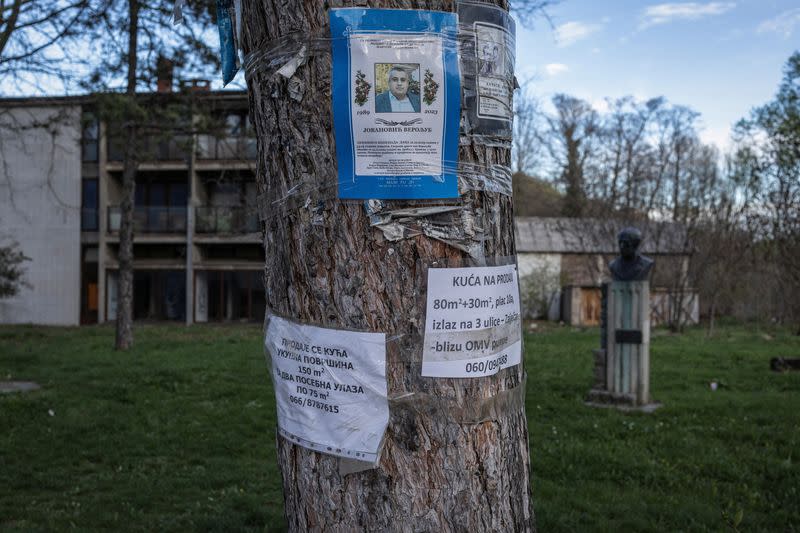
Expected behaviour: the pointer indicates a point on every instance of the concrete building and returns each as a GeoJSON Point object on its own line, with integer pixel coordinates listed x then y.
{"type": "Point", "coordinates": [197, 247]}
{"type": "Point", "coordinates": [40, 198]}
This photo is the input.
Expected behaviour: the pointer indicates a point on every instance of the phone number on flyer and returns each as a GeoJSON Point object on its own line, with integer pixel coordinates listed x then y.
{"type": "Point", "coordinates": [486, 367]}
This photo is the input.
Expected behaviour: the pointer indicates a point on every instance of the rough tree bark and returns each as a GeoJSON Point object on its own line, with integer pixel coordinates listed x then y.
{"type": "Point", "coordinates": [439, 469]}
{"type": "Point", "coordinates": [124, 333]}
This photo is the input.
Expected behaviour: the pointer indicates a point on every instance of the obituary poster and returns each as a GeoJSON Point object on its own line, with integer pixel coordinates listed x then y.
{"type": "Point", "coordinates": [330, 388]}
{"type": "Point", "coordinates": [487, 60]}
{"type": "Point", "coordinates": [396, 103]}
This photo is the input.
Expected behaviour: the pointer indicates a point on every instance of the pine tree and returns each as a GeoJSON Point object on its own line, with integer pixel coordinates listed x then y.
{"type": "Point", "coordinates": [456, 453]}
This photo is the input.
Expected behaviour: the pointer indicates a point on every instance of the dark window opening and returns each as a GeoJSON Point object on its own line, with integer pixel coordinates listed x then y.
{"type": "Point", "coordinates": [231, 138]}
{"type": "Point", "coordinates": [231, 205]}
{"type": "Point", "coordinates": [89, 203]}
{"type": "Point", "coordinates": [235, 296]}
{"type": "Point", "coordinates": [159, 207]}
{"type": "Point", "coordinates": [89, 287]}
{"type": "Point", "coordinates": [237, 251]}
{"type": "Point", "coordinates": [159, 295]}
{"type": "Point", "coordinates": [159, 251]}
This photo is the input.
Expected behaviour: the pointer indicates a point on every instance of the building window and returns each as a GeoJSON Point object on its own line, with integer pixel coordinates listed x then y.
{"type": "Point", "coordinates": [234, 138]}
{"type": "Point", "coordinates": [159, 295]}
{"type": "Point", "coordinates": [89, 203]}
{"type": "Point", "coordinates": [229, 296]}
{"type": "Point", "coordinates": [89, 287]}
{"type": "Point", "coordinates": [90, 137]}
{"type": "Point", "coordinates": [236, 124]}
{"type": "Point", "coordinates": [159, 207]}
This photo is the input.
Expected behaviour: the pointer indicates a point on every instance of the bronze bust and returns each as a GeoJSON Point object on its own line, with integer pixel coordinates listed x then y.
{"type": "Point", "coordinates": [630, 265]}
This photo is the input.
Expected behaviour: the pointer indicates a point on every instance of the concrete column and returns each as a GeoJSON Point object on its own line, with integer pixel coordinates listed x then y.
{"type": "Point", "coordinates": [190, 223]}
{"type": "Point", "coordinates": [102, 220]}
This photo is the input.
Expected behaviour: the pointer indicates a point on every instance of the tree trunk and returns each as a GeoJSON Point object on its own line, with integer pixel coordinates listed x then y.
{"type": "Point", "coordinates": [712, 316]}
{"type": "Point", "coordinates": [444, 466]}
{"type": "Point", "coordinates": [124, 334]}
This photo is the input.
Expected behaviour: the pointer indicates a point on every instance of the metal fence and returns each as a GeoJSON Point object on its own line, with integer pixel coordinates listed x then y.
{"type": "Point", "coordinates": [235, 147]}
{"type": "Point", "coordinates": [226, 220]}
{"type": "Point", "coordinates": [164, 150]}
{"type": "Point", "coordinates": [150, 219]}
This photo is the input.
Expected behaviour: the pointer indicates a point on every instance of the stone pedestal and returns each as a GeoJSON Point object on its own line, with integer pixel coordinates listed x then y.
{"type": "Point", "coordinates": [622, 364]}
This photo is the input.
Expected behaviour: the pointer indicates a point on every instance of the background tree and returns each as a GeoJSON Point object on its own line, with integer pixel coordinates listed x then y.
{"type": "Point", "coordinates": [36, 39]}
{"type": "Point", "coordinates": [769, 145]}
{"type": "Point", "coordinates": [149, 44]}
{"type": "Point", "coordinates": [41, 42]}
{"type": "Point", "coordinates": [526, 150]}
{"type": "Point", "coordinates": [625, 158]}
{"type": "Point", "coordinates": [724, 243]}
{"type": "Point", "coordinates": [442, 468]}
{"type": "Point", "coordinates": [38, 44]}
{"type": "Point", "coordinates": [12, 269]}
{"type": "Point", "coordinates": [570, 135]}
{"type": "Point", "coordinates": [535, 197]}
{"type": "Point", "coordinates": [532, 196]}
{"type": "Point", "coordinates": [529, 11]}
{"type": "Point", "coordinates": [636, 163]}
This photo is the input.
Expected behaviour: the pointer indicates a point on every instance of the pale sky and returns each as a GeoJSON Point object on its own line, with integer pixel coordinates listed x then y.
{"type": "Point", "coordinates": [719, 58]}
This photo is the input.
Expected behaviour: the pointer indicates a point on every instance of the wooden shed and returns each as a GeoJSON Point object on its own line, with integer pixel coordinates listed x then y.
{"type": "Point", "coordinates": [569, 256]}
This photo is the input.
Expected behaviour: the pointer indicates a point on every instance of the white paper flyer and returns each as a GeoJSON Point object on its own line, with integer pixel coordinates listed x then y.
{"type": "Point", "coordinates": [472, 323]}
{"type": "Point", "coordinates": [330, 387]}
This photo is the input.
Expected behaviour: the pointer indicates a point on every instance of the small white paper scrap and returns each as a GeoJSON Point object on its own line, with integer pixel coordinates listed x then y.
{"type": "Point", "coordinates": [472, 324]}
{"type": "Point", "coordinates": [330, 387]}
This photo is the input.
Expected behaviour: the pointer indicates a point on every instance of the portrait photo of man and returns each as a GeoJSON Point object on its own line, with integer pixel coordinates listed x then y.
{"type": "Point", "coordinates": [399, 93]}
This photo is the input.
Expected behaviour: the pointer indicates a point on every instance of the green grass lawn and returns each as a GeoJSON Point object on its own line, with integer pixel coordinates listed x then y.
{"type": "Point", "coordinates": [178, 434]}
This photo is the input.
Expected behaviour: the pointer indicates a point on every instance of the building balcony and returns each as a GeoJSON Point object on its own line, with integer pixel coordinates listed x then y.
{"type": "Point", "coordinates": [226, 220]}
{"type": "Point", "coordinates": [150, 219]}
{"type": "Point", "coordinates": [174, 149]}
{"type": "Point", "coordinates": [210, 147]}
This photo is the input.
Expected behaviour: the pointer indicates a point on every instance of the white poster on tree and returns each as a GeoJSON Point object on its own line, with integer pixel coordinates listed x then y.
{"type": "Point", "coordinates": [472, 322]}
{"type": "Point", "coordinates": [330, 388]}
